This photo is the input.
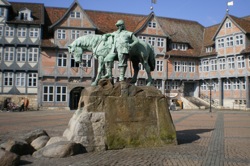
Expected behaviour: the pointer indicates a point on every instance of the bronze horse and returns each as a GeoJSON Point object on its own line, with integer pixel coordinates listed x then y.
{"type": "Point", "coordinates": [142, 53]}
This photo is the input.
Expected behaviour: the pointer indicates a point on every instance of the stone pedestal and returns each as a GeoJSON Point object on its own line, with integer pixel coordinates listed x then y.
{"type": "Point", "coordinates": [119, 116]}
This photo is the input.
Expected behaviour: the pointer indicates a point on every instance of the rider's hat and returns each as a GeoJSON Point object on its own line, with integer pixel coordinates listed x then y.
{"type": "Point", "coordinates": [119, 22]}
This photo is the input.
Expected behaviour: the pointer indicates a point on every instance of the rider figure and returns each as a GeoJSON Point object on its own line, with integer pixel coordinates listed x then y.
{"type": "Point", "coordinates": [123, 41]}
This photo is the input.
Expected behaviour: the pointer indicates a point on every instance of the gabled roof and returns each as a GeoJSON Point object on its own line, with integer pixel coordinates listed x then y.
{"type": "Point", "coordinates": [37, 12]}
{"type": "Point", "coordinates": [241, 23]}
{"type": "Point", "coordinates": [244, 24]}
{"type": "Point", "coordinates": [208, 39]}
{"type": "Point", "coordinates": [67, 12]}
{"type": "Point", "coordinates": [4, 3]}
{"type": "Point", "coordinates": [142, 24]}
{"type": "Point", "coordinates": [183, 31]}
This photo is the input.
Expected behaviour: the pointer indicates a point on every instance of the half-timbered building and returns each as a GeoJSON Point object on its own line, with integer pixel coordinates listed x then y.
{"type": "Point", "coordinates": [190, 58]}
{"type": "Point", "coordinates": [21, 26]}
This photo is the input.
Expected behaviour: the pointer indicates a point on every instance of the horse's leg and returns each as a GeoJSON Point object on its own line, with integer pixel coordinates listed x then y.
{"type": "Point", "coordinates": [99, 70]}
{"type": "Point", "coordinates": [136, 70]}
{"type": "Point", "coordinates": [147, 68]}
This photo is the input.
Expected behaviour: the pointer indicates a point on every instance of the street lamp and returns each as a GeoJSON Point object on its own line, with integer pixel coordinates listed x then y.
{"type": "Point", "coordinates": [210, 87]}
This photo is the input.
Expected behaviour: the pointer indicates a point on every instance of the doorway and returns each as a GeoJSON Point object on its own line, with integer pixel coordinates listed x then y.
{"type": "Point", "coordinates": [75, 95]}
{"type": "Point", "coordinates": [189, 88]}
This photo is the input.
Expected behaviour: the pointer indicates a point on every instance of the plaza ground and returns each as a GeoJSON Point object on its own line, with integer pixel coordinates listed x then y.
{"type": "Point", "coordinates": [204, 138]}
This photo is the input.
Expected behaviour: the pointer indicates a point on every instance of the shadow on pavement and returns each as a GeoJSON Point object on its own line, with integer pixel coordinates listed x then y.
{"type": "Point", "coordinates": [189, 136]}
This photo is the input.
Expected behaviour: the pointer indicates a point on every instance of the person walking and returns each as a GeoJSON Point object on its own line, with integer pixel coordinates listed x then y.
{"type": "Point", "coordinates": [22, 105]}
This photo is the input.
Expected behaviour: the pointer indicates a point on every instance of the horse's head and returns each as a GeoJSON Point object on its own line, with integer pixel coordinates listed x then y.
{"type": "Point", "coordinates": [76, 52]}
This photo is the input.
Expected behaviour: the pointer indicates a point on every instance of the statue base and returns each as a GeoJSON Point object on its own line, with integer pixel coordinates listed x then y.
{"type": "Point", "coordinates": [120, 116]}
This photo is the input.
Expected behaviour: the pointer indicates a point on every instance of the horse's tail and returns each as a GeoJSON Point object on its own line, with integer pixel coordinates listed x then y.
{"type": "Point", "coordinates": [151, 59]}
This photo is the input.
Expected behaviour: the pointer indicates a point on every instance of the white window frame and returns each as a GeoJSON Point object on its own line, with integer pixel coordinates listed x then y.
{"type": "Point", "coordinates": [9, 53]}
{"type": "Point", "coordinates": [221, 43]}
{"type": "Point", "coordinates": [231, 63]}
{"type": "Point", "coordinates": [174, 46]}
{"type": "Point", "coordinates": [227, 84]}
{"type": "Point", "coordinates": [177, 66]}
{"type": "Point", "coordinates": [222, 63]}
{"type": "Point", "coordinates": [160, 42]}
{"type": "Point", "coordinates": [230, 41]}
{"type": "Point", "coordinates": [239, 40]}
{"type": "Point", "coordinates": [205, 65]}
{"type": "Point", "coordinates": [86, 32]}
{"type": "Point", "coordinates": [240, 62]}
{"type": "Point", "coordinates": [61, 34]}
{"type": "Point", "coordinates": [8, 79]}
{"type": "Point", "coordinates": [34, 32]}
{"type": "Point", "coordinates": [191, 66]}
{"type": "Point", "coordinates": [200, 65]}
{"type": "Point", "coordinates": [9, 31]}
{"type": "Point", "coordinates": [158, 84]}
{"type": "Point", "coordinates": [86, 59]}
{"type": "Point", "coordinates": [21, 31]}
{"type": "Point", "coordinates": [32, 79]}
{"type": "Point", "coordinates": [143, 38]}
{"type": "Point", "coordinates": [213, 64]}
{"type": "Point", "coordinates": [20, 79]}
{"type": "Point", "coordinates": [168, 85]}
{"type": "Point", "coordinates": [228, 24]}
{"type": "Point", "coordinates": [61, 60]}
{"type": "Point", "coordinates": [174, 85]}
{"type": "Point", "coordinates": [203, 86]}
{"type": "Point", "coordinates": [49, 95]}
{"type": "Point", "coordinates": [184, 66]}
{"type": "Point", "coordinates": [21, 54]}
{"type": "Point", "coordinates": [152, 24]}
{"type": "Point", "coordinates": [73, 63]}
{"type": "Point", "coordinates": [159, 65]}
{"type": "Point", "coordinates": [242, 83]}
{"type": "Point", "coordinates": [61, 93]}
{"type": "Point", "coordinates": [209, 49]}
{"type": "Point", "coordinates": [236, 84]}
{"type": "Point", "coordinates": [183, 47]}
{"type": "Point", "coordinates": [33, 53]}
{"type": "Point", "coordinates": [75, 34]}
{"type": "Point", "coordinates": [151, 40]}
{"type": "Point", "coordinates": [75, 14]}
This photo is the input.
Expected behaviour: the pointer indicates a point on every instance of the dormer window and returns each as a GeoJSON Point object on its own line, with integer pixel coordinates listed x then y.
{"type": "Point", "coordinates": [209, 49]}
{"type": "Point", "coordinates": [24, 15]}
{"type": "Point", "coordinates": [179, 46]}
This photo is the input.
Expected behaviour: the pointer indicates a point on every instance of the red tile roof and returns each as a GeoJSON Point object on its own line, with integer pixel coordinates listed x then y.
{"type": "Point", "coordinates": [105, 21]}
{"type": "Point", "coordinates": [178, 30]}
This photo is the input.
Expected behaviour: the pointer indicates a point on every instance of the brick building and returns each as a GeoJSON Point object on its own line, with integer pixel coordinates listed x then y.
{"type": "Point", "coordinates": [189, 56]}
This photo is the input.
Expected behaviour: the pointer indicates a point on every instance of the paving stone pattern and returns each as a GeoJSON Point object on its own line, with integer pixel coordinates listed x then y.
{"type": "Point", "coordinates": [220, 138]}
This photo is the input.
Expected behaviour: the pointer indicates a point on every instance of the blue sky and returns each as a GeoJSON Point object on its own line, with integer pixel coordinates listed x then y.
{"type": "Point", "coordinates": [206, 12]}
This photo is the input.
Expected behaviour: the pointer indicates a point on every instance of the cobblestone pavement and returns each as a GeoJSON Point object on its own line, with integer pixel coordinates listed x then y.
{"type": "Point", "coordinates": [209, 139]}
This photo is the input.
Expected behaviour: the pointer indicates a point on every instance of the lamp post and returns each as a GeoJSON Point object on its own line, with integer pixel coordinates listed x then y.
{"type": "Point", "coordinates": [210, 86]}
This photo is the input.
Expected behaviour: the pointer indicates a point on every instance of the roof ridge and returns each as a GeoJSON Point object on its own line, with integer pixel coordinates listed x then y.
{"type": "Point", "coordinates": [114, 12]}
